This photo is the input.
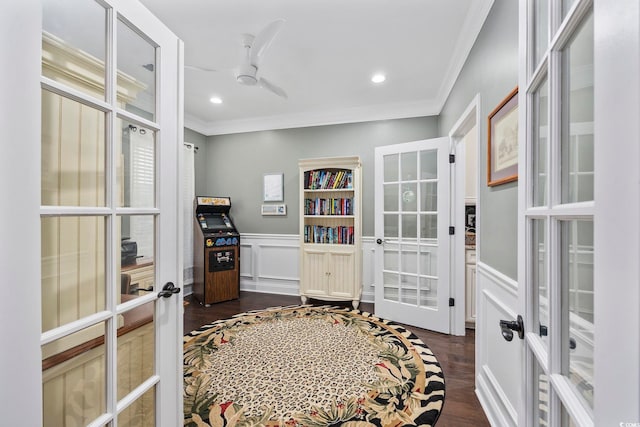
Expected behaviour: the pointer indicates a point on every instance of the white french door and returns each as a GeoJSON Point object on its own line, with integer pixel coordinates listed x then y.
{"type": "Point", "coordinates": [573, 198]}
{"type": "Point", "coordinates": [412, 188]}
{"type": "Point", "coordinates": [111, 268]}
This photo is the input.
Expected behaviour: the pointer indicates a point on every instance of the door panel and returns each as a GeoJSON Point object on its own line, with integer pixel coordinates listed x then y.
{"type": "Point", "coordinates": [103, 227]}
{"type": "Point", "coordinates": [412, 219]}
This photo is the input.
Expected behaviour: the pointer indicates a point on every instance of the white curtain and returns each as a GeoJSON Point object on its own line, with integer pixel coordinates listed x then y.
{"type": "Point", "coordinates": [188, 192]}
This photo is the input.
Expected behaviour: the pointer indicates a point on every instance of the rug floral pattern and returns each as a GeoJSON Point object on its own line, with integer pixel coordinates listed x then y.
{"type": "Point", "coordinates": [309, 366]}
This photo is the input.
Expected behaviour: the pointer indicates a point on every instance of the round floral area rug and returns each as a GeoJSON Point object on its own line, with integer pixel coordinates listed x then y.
{"type": "Point", "coordinates": [309, 366]}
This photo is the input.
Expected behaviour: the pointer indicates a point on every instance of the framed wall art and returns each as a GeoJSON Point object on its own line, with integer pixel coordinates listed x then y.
{"type": "Point", "coordinates": [502, 155]}
{"type": "Point", "coordinates": [273, 187]}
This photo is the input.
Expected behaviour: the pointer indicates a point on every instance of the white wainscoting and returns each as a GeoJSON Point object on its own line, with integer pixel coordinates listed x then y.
{"type": "Point", "coordinates": [499, 363]}
{"type": "Point", "coordinates": [269, 263]}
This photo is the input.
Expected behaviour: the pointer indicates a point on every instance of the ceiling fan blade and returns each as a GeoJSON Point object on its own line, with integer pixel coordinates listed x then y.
{"type": "Point", "coordinates": [272, 88]}
{"type": "Point", "coordinates": [263, 40]}
{"type": "Point", "coordinates": [193, 68]}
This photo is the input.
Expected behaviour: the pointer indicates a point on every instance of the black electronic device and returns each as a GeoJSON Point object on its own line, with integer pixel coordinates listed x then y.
{"type": "Point", "coordinates": [216, 251]}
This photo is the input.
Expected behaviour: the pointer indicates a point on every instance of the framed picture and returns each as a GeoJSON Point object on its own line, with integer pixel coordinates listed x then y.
{"type": "Point", "coordinates": [502, 156]}
{"type": "Point", "coordinates": [273, 187]}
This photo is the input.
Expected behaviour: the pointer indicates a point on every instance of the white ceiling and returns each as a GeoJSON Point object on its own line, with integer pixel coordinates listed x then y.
{"type": "Point", "coordinates": [323, 57]}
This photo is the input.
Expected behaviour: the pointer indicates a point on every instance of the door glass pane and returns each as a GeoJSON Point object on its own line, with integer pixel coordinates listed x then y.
{"type": "Point", "coordinates": [73, 384]}
{"type": "Point", "coordinates": [136, 72]}
{"type": "Point", "coordinates": [136, 348]}
{"type": "Point", "coordinates": [71, 54]}
{"type": "Point", "coordinates": [391, 197]}
{"type": "Point", "coordinates": [136, 166]}
{"type": "Point", "coordinates": [578, 292]}
{"type": "Point", "coordinates": [137, 249]}
{"type": "Point", "coordinates": [578, 116]}
{"type": "Point", "coordinates": [409, 197]}
{"type": "Point", "coordinates": [429, 164]}
{"type": "Point", "coordinates": [428, 196]}
{"type": "Point", "coordinates": [541, 17]}
{"type": "Point", "coordinates": [391, 168]}
{"type": "Point", "coordinates": [539, 143]}
{"type": "Point", "coordinates": [539, 276]}
{"type": "Point", "coordinates": [429, 226]}
{"type": "Point", "coordinates": [140, 413]}
{"type": "Point", "coordinates": [540, 396]}
{"type": "Point", "coordinates": [391, 260]}
{"type": "Point", "coordinates": [391, 228]}
{"type": "Point", "coordinates": [429, 260]}
{"type": "Point", "coordinates": [410, 259]}
{"type": "Point", "coordinates": [409, 226]}
{"type": "Point", "coordinates": [566, 6]}
{"type": "Point", "coordinates": [73, 153]}
{"type": "Point", "coordinates": [408, 289]}
{"type": "Point", "coordinates": [428, 292]}
{"type": "Point", "coordinates": [73, 268]}
{"type": "Point", "coordinates": [409, 166]}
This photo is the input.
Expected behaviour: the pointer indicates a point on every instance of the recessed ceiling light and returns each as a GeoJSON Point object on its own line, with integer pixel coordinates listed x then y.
{"type": "Point", "coordinates": [215, 100]}
{"type": "Point", "coordinates": [378, 78]}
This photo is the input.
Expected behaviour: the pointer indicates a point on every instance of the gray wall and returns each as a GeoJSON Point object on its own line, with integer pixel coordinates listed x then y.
{"type": "Point", "coordinates": [491, 70]}
{"type": "Point", "coordinates": [200, 162]}
{"type": "Point", "coordinates": [236, 164]}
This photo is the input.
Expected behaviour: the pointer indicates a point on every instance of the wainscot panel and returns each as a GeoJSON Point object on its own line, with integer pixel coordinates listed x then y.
{"type": "Point", "coordinates": [499, 363]}
{"type": "Point", "coordinates": [269, 263]}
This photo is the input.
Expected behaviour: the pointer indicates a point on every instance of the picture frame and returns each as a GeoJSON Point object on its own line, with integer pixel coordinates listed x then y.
{"type": "Point", "coordinates": [502, 142]}
{"type": "Point", "coordinates": [273, 187]}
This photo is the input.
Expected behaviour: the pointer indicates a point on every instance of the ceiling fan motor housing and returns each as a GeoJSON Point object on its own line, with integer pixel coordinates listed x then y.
{"type": "Point", "coordinates": [247, 75]}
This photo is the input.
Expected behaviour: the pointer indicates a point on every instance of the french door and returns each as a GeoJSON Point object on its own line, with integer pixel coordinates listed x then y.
{"type": "Point", "coordinates": [109, 217]}
{"type": "Point", "coordinates": [578, 371]}
{"type": "Point", "coordinates": [412, 188]}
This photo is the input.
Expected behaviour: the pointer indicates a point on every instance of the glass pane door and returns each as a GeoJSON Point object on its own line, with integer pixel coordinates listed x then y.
{"type": "Point", "coordinates": [100, 219]}
{"type": "Point", "coordinates": [412, 219]}
{"type": "Point", "coordinates": [559, 216]}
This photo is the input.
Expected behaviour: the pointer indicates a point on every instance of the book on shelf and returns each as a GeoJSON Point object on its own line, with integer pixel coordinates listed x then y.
{"type": "Point", "coordinates": [328, 179]}
{"type": "Point", "coordinates": [342, 235]}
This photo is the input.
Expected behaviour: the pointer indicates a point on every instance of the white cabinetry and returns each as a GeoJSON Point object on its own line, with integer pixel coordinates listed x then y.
{"type": "Point", "coordinates": [330, 230]}
{"type": "Point", "coordinates": [470, 286]}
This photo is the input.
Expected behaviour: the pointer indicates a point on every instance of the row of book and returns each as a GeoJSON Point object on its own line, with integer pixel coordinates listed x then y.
{"type": "Point", "coordinates": [328, 179]}
{"type": "Point", "coordinates": [341, 235]}
{"type": "Point", "coordinates": [329, 206]}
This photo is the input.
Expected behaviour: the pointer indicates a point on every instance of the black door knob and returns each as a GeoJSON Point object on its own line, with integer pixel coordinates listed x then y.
{"type": "Point", "coordinates": [508, 327]}
{"type": "Point", "coordinates": [379, 241]}
{"type": "Point", "coordinates": [167, 290]}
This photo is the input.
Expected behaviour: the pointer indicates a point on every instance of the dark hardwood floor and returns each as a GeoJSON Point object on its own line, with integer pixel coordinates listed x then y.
{"type": "Point", "coordinates": [455, 354]}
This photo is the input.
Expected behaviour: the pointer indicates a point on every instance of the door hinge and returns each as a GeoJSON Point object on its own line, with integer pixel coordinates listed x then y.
{"type": "Point", "coordinates": [452, 231]}
{"type": "Point", "coordinates": [452, 158]}
{"type": "Point", "coordinates": [452, 302]}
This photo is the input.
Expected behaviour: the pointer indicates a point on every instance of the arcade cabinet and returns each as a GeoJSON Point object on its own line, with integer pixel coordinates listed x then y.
{"type": "Point", "coordinates": [216, 252]}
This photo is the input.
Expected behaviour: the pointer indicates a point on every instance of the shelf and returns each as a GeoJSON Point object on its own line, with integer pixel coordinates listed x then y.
{"type": "Point", "coordinates": [331, 216]}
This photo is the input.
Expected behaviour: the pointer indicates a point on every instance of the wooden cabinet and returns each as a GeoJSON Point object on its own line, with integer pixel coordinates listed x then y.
{"type": "Point", "coordinates": [330, 229]}
{"type": "Point", "coordinates": [470, 287]}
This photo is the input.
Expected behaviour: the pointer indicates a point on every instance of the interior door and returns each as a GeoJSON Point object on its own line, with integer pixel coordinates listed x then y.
{"type": "Point", "coordinates": [557, 216]}
{"type": "Point", "coordinates": [109, 220]}
{"type": "Point", "coordinates": [412, 187]}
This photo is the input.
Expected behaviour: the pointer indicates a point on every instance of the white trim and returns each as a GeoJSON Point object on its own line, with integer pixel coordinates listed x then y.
{"type": "Point", "coordinates": [307, 119]}
{"type": "Point", "coordinates": [253, 280]}
{"type": "Point", "coordinates": [504, 281]}
{"type": "Point", "coordinates": [499, 409]}
{"type": "Point", "coordinates": [472, 25]}
{"type": "Point", "coordinates": [466, 123]}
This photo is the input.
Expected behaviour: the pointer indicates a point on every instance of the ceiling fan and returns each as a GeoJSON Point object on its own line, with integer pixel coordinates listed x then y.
{"type": "Point", "coordinates": [254, 49]}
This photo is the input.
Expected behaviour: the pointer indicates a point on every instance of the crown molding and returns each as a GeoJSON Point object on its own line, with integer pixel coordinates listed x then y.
{"type": "Point", "coordinates": [320, 118]}
{"type": "Point", "coordinates": [473, 25]}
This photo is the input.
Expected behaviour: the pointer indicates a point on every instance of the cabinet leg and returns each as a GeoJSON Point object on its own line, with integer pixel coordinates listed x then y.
{"type": "Point", "coordinates": [304, 299]}
{"type": "Point", "coordinates": [355, 303]}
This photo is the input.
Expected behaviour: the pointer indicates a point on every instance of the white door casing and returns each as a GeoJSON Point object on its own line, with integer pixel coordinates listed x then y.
{"type": "Point", "coordinates": [412, 205]}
